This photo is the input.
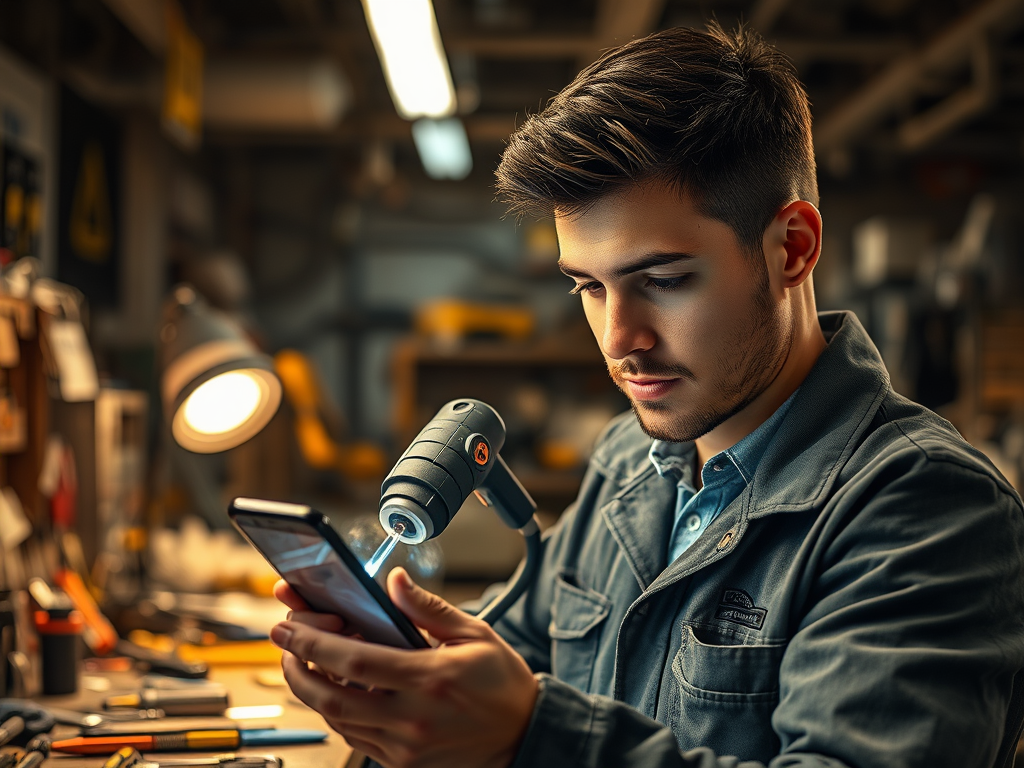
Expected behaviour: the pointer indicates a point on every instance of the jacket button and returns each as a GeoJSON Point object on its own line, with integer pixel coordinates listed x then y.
{"type": "Point", "coordinates": [725, 540]}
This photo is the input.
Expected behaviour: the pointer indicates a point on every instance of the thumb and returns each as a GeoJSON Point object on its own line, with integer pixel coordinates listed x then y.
{"type": "Point", "coordinates": [426, 610]}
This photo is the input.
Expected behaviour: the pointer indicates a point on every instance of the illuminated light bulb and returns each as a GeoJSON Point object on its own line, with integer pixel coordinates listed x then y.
{"type": "Point", "coordinates": [415, 66]}
{"type": "Point", "coordinates": [443, 147]}
{"type": "Point", "coordinates": [223, 403]}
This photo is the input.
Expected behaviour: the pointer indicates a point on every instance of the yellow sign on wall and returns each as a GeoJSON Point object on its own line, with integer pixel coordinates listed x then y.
{"type": "Point", "coordinates": [183, 84]}
{"type": "Point", "coordinates": [91, 229]}
{"type": "Point", "coordinates": [21, 207]}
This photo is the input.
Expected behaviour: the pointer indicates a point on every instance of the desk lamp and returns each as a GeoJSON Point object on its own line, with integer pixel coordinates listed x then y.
{"type": "Point", "coordinates": [218, 389]}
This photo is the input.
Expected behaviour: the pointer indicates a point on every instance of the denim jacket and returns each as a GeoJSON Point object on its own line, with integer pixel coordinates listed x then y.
{"type": "Point", "coordinates": [861, 603]}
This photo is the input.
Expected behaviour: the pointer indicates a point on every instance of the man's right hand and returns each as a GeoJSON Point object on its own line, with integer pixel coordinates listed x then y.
{"type": "Point", "coordinates": [468, 701]}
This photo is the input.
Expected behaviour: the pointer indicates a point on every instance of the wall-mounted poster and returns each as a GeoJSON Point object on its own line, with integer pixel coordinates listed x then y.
{"type": "Point", "coordinates": [21, 205]}
{"type": "Point", "coordinates": [89, 201]}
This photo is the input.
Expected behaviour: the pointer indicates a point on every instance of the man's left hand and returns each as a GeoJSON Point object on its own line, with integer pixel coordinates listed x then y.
{"type": "Point", "coordinates": [466, 702]}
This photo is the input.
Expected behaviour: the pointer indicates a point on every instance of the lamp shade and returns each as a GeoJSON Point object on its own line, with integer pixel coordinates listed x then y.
{"type": "Point", "coordinates": [218, 389]}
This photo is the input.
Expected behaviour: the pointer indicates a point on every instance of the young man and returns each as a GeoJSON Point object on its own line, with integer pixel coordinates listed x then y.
{"type": "Point", "coordinates": [774, 557]}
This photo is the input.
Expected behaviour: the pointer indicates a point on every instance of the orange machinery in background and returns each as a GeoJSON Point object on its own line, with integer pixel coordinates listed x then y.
{"type": "Point", "coordinates": [355, 460]}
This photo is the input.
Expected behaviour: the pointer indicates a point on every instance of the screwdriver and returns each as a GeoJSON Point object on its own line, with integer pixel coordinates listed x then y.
{"type": "Point", "coordinates": [229, 760]}
{"type": "Point", "coordinates": [128, 757]}
{"type": "Point", "coordinates": [205, 700]}
{"type": "Point", "coordinates": [188, 740]}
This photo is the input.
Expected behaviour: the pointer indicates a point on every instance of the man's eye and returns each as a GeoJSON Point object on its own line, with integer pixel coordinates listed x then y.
{"type": "Point", "coordinates": [667, 283]}
{"type": "Point", "coordinates": [590, 287]}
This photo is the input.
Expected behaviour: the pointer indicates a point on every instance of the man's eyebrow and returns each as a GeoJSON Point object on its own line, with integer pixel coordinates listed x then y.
{"type": "Point", "coordinates": [648, 261]}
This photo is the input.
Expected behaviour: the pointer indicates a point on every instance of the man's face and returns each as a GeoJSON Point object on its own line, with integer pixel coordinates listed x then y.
{"type": "Point", "coordinates": [686, 320]}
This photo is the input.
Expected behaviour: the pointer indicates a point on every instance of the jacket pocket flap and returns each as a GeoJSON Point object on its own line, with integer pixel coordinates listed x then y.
{"type": "Point", "coordinates": [576, 610]}
{"type": "Point", "coordinates": [737, 669]}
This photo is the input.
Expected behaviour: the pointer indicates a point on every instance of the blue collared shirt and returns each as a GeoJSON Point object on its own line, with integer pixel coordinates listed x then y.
{"type": "Point", "coordinates": [724, 476]}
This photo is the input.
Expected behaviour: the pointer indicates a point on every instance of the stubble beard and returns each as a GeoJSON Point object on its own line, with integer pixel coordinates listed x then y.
{"type": "Point", "coordinates": [751, 359]}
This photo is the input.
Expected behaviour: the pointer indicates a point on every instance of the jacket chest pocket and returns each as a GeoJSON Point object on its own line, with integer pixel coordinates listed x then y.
{"type": "Point", "coordinates": [725, 697]}
{"type": "Point", "coordinates": [575, 630]}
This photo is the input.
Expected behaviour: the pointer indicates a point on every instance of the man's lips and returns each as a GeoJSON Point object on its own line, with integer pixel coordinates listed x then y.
{"type": "Point", "coordinates": [649, 389]}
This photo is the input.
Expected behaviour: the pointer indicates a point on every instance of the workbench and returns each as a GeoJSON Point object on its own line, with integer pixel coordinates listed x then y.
{"type": "Point", "coordinates": [243, 690]}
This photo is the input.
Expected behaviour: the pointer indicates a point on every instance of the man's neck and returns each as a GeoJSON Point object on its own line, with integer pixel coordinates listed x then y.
{"type": "Point", "coordinates": [808, 344]}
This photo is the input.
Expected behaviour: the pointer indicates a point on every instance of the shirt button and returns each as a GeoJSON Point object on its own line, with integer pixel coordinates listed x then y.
{"type": "Point", "coordinates": [716, 467]}
{"type": "Point", "coordinates": [693, 523]}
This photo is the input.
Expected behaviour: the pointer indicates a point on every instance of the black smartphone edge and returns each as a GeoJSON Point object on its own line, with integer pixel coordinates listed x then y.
{"type": "Point", "coordinates": [302, 513]}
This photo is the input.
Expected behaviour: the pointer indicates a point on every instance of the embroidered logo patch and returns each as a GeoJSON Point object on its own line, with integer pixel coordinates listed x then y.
{"type": "Point", "coordinates": [737, 606]}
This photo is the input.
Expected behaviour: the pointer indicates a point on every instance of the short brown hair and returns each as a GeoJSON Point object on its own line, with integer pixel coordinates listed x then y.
{"type": "Point", "coordinates": [721, 115]}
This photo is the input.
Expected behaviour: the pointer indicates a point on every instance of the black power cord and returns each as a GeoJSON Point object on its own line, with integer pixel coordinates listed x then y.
{"type": "Point", "coordinates": [520, 579]}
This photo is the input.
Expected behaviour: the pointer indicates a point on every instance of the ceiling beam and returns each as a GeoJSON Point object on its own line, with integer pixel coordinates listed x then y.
{"type": "Point", "coordinates": [960, 107]}
{"type": "Point", "coordinates": [864, 50]}
{"type": "Point", "coordinates": [302, 13]}
{"type": "Point", "coordinates": [490, 128]}
{"type": "Point", "coordinates": [619, 21]}
{"type": "Point", "coordinates": [146, 19]}
{"type": "Point", "coordinates": [571, 46]}
{"type": "Point", "coordinates": [524, 47]}
{"type": "Point", "coordinates": [765, 13]}
{"type": "Point", "coordinates": [897, 84]}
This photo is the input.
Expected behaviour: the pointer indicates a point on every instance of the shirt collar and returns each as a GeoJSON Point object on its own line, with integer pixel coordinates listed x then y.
{"type": "Point", "coordinates": [675, 460]}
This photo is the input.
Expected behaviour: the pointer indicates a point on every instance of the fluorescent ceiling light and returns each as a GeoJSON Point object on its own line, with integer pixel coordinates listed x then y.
{"type": "Point", "coordinates": [409, 45]}
{"type": "Point", "coordinates": [443, 147]}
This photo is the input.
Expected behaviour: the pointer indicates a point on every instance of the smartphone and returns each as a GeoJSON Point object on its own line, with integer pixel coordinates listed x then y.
{"type": "Point", "coordinates": [305, 550]}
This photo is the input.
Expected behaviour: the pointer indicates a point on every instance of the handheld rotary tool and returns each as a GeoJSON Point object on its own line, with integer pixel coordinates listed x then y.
{"type": "Point", "coordinates": [454, 455]}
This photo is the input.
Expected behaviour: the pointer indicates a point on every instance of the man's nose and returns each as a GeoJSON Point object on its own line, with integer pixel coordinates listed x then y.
{"type": "Point", "coordinates": [626, 328]}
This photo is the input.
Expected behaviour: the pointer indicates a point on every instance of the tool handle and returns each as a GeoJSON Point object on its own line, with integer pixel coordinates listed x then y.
{"type": "Point", "coordinates": [31, 760]}
{"type": "Point", "coordinates": [212, 700]}
{"type": "Point", "coordinates": [100, 634]}
{"type": "Point", "coordinates": [194, 740]}
{"type": "Point", "coordinates": [10, 729]}
{"type": "Point", "coordinates": [123, 758]}
{"type": "Point", "coordinates": [36, 751]}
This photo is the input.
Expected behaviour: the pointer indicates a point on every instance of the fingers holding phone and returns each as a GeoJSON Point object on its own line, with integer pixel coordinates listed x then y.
{"type": "Point", "coordinates": [288, 596]}
{"type": "Point", "coordinates": [466, 702]}
{"type": "Point", "coordinates": [328, 622]}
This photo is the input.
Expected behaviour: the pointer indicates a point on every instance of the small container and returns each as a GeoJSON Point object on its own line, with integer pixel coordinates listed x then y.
{"type": "Point", "coordinates": [60, 634]}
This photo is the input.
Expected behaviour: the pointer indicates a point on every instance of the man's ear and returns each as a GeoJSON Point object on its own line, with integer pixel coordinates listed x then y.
{"type": "Point", "coordinates": [792, 242]}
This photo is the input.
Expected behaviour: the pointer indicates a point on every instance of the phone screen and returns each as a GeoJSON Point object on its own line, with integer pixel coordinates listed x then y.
{"type": "Point", "coordinates": [311, 566]}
